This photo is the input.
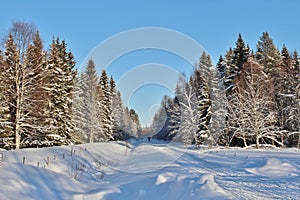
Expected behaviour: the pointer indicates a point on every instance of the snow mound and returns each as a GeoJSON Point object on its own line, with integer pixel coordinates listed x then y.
{"type": "Point", "coordinates": [275, 168]}
{"type": "Point", "coordinates": [165, 177]}
{"type": "Point", "coordinates": [207, 183]}
{"type": "Point", "coordinates": [20, 181]}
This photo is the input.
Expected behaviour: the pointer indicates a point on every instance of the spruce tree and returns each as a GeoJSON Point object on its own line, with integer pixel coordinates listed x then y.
{"type": "Point", "coordinates": [113, 96]}
{"type": "Point", "coordinates": [160, 122]}
{"type": "Point", "coordinates": [267, 54]}
{"type": "Point", "coordinates": [118, 116]}
{"type": "Point", "coordinates": [239, 57]}
{"type": "Point", "coordinates": [25, 94]}
{"type": "Point", "coordinates": [282, 90]}
{"type": "Point", "coordinates": [166, 122]}
{"type": "Point", "coordinates": [60, 86]}
{"type": "Point", "coordinates": [221, 68]}
{"type": "Point", "coordinates": [79, 111]}
{"type": "Point", "coordinates": [201, 87]}
{"type": "Point", "coordinates": [5, 123]}
{"type": "Point", "coordinates": [297, 99]}
{"type": "Point", "coordinates": [296, 63]}
{"type": "Point", "coordinates": [287, 96]}
{"type": "Point", "coordinates": [229, 56]}
{"type": "Point", "coordinates": [14, 93]}
{"type": "Point", "coordinates": [173, 117]}
{"type": "Point", "coordinates": [136, 126]}
{"type": "Point", "coordinates": [90, 81]}
{"type": "Point", "coordinates": [131, 122]}
{"type": "Point", "coordinates": [35, 94]}
{"type": "Point", "coordinates": [106, 107]}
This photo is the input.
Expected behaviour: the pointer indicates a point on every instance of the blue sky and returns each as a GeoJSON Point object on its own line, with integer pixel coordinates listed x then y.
{"type": "Point", "coordinates": [214, 24]}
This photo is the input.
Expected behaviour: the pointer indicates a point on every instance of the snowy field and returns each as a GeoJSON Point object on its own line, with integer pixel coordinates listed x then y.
{"type": "Point", "coordinates": [149, 170]}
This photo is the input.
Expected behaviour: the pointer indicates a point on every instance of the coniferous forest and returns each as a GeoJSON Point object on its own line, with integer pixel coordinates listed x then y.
{"type": "Point", "coordinates": [250, 98]}
{"type": "Point", "coordinates": [45, 101]}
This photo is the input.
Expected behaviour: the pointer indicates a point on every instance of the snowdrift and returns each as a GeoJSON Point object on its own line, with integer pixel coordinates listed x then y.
{"type": "Point", "coordinates": [148, 170]}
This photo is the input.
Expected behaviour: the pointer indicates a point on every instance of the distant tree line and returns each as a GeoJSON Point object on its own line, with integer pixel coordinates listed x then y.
{"type": "Point", "coordinates": [98, 111]}
{"type": "Point", "coordinates": [44, 101]}
{"type": "Point", "coordinates": [250, 98]}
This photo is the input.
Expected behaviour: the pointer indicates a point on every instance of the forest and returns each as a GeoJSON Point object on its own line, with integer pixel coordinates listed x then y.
{"type": "Point", "coordinates": [251, 98]}
{"type": "Point", "coordinates": [45, 101]}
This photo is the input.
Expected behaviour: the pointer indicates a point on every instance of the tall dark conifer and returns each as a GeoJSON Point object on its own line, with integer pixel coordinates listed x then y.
{"type": "Point", "coordinates": [106, 103]}
{"type": "Point", "coordinates": [60, 86]}
{"type": "Point", "coordinates": [36, 95]}
{"type": "Point", "coordinates": [5, 123]}
{"type": "Point", "coordinates": [267, 54]}
{"type": "Point", "coordinates": [239, 57]}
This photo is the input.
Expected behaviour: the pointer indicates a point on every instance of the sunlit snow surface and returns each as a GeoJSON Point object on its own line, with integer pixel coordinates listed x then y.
{"type": "Point", "coordinates": [149, 170]}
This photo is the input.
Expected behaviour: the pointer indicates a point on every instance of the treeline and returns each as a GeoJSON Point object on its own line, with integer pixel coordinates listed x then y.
{"type": "Point", "coordinates": [44, 100]}
{"type": "Point", "coordinates": [98, 111]}
{"type": "Point", "coordinates": [250, 98]}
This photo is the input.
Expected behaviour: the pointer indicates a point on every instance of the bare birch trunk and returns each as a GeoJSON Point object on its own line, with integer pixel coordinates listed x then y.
{"type": "Point", "coordinates": [18, 106]}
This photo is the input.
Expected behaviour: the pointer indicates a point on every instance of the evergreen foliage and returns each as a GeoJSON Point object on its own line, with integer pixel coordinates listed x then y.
{"type": "Point", "coordinates": [60, 86]}
{"type": "Point", "coordinates": [248, 99]}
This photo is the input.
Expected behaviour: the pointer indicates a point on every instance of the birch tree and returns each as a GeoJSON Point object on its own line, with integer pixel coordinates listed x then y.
{"type": "Point", "coordinates": [23, 34]}
{"type": "Point", "coordinates": [187, 133]}
{"type": "Point", "coordinates": [15, 86]}
{"type": "Point", "coordinates": [251, 108]}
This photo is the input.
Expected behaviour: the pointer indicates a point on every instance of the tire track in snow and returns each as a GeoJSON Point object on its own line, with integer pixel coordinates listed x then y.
{"type": "Point", "coordinates": [241, 184]}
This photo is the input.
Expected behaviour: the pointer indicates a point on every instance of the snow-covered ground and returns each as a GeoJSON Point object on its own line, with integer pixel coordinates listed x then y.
{"type": "Point", "coordinates": [149, 170]}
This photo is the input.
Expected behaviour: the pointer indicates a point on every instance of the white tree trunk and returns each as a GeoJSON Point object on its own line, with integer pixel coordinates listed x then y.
{"type": "Point", "coordinates": [18, 110]}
